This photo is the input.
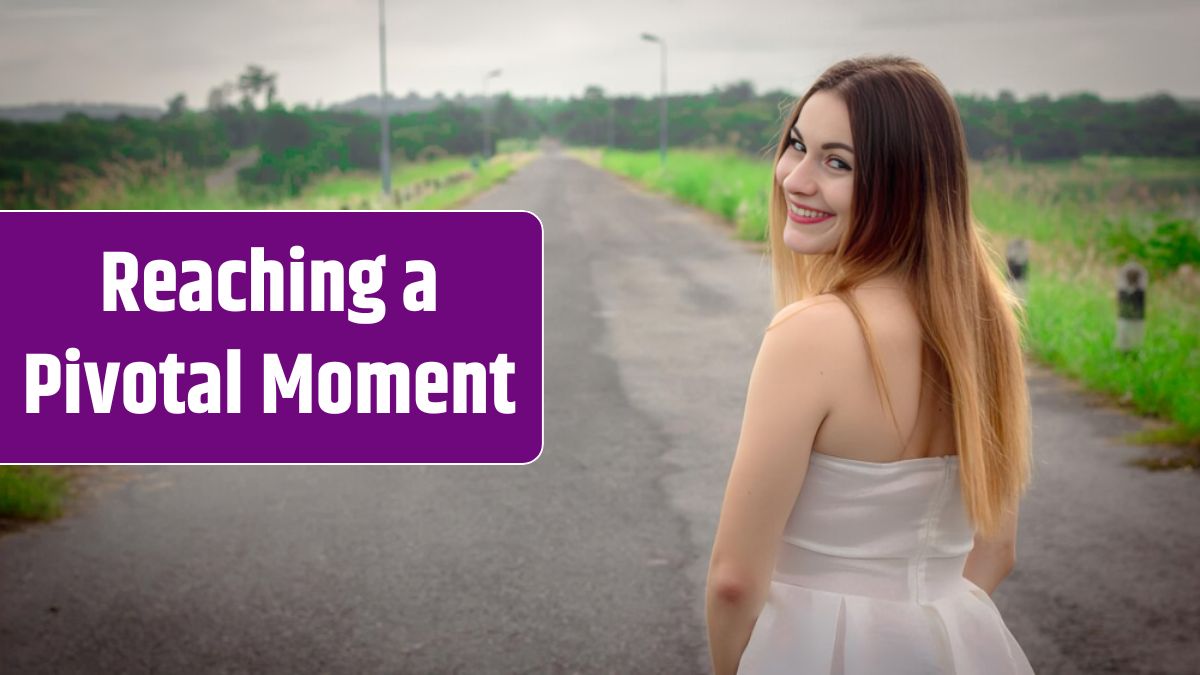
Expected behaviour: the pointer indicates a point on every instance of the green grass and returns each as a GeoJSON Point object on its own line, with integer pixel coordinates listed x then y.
{"type": "Point", "coordinates": [1084, 218]}
{"type": "Point", "coordinates": [1072, 325]}
{"type": "Point", "coordinates": [496, 170]}
{"type": "Point", "coordinates": [31, 493]}
{"type": "Point", "coordinates": [427, 185]}
{"type": "Point", "coordinates": [730, 185]}
{"type": "Point", "coordinates": [367, 183]}
{"type": "Point", "coordinates": [1098, 203]}
{"type": "Point", "coordinates": [511, 145]}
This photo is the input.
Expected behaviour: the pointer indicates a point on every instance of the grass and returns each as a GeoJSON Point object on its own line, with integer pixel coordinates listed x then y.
{"type": "Point", "coordinates": [1072, 325]}
{"type": "Point", "coordinates": [730, 185]}
{"type": "Point", "coordinates": [31, 493]}
{"type": "Point", "coordinates": [359, 185]}
{"type": "Point", "coordinates": [150, 186]}
{"type": "Point", "coordinates": [1083, 219]}
{"type": "Point", "coordinates": [438, 184]}
{"type": "Point", "coordinates": [496, 170]}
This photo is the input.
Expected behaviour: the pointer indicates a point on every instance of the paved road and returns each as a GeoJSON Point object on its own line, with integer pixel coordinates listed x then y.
{"type": "Point", "coordinates": [590, 560]}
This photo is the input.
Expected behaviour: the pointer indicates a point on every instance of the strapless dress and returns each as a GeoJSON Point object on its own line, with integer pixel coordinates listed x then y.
{"type": "Point", "coordinates": [869, 579]}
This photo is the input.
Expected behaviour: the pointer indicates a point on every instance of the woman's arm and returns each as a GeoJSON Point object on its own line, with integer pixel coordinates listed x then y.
{"type": "Point", "coordinates": [786, 402]}
{"type": "Point", "coordinates": [991, 560]}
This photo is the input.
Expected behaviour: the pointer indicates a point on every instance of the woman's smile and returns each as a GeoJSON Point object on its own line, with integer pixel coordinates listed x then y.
{"type": "Point", "coordinates": [804, 216]}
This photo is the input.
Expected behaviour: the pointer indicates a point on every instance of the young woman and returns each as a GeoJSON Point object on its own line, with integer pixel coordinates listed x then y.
{"type": "Point", "coordinates": [872, 503]}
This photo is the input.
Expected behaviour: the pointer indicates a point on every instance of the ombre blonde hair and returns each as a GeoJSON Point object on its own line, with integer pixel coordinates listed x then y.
{"type": "Point", "coordinates": [911, 215]}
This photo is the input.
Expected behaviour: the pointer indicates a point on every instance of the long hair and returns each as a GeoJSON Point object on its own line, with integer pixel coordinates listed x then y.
{"type": "Point", "coordinates": [911, 215]}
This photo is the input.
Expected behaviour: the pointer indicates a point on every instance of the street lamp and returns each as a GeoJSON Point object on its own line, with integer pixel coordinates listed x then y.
{"type": "Point", "coordinates": [486, 145]}
{"type": "Point", "coordinates": [662, 108]}
{"type": "Point", "coordinates": [385, 140]}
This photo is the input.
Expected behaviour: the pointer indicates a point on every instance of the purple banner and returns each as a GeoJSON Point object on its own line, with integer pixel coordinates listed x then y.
{"type": "Point", "coordinates": [272, 337]}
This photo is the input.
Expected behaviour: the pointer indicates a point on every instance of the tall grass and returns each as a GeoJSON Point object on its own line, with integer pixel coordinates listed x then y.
{"type": "Point", "coordinates": [1085, 218]}
{"type": "Point", "coordinates": [730, 185]}
{"type": "Point", "coordinates": [153, 185]}
{"type": "Point", "coordinates": [1072, 327]}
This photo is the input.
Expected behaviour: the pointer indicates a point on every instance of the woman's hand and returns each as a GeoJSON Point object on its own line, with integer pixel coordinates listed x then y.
{"type": "Point", "coordinates": [992, 559]}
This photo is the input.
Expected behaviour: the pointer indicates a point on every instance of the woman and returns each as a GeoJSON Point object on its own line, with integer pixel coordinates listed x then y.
{"type": "Point", "coordinates": [872, 503]}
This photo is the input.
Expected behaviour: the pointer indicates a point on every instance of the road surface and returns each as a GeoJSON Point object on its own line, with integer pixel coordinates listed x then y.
{"type": "Point", "coordinates": [590, 560]}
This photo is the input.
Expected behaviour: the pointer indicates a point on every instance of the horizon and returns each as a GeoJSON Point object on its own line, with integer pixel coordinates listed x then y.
{"type": "Point", "coordinates": [394, 96]}
{"type": "Point", "coordinates": [143, 52]}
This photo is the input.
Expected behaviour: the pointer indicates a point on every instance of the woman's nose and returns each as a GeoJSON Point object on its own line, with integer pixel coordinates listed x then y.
{"type": "Point", "coordinates": [799, 179]}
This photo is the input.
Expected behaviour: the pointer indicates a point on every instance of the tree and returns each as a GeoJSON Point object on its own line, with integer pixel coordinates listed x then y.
{"type": "Point", "coordinates": [737, 92]}
{"type": "Point", "coordinates": [256, 80]}
{"type": "Point", "coordinates": [218, 96]}
{"type": "Point", "coordinates": [176, 106]}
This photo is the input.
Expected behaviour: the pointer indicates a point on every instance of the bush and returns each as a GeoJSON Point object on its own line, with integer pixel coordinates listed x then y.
{"type": "Point", "coordinates": [1162, 244]}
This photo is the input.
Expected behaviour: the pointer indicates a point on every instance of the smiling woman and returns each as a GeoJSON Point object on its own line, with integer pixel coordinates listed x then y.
{"type": "Point", "coordinates": [872, 503]}
{"type": "Point", "coordinates": [819, 182]}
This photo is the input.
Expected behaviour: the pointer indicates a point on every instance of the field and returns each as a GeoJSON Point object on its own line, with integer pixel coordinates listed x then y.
{"type": "Point", "coordinates": [1083, 220]}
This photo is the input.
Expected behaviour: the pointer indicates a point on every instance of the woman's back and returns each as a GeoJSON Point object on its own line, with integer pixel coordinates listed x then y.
{"type": "Point", "coordinates": [858, 426]}
{"type": "Point", "coordinates": [868, 576]}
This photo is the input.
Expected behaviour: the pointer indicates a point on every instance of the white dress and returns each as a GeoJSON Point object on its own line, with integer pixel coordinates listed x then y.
{"type": "Point", "coordinates": [869, 579]}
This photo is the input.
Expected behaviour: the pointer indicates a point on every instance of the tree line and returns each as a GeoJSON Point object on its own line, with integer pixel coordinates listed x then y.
{"type": "Point", "coordinates": [41, 162]}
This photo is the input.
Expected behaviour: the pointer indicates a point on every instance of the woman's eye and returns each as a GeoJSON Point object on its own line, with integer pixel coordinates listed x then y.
{"type": "Point", "coordinates": [798, 146]}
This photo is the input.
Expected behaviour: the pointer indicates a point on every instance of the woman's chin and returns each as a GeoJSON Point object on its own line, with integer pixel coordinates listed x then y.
{"type": "Point", "coordinates": [801, 242]}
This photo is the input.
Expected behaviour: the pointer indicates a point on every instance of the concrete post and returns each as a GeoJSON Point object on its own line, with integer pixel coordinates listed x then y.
{"type": "Point", "coordinates": [1131, 306]}
{"type": "Point", "coordinates": [1017, 256]}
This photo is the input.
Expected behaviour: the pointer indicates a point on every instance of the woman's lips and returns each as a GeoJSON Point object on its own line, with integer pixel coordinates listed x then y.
{"type": "Point", "coordinates": [797, 216]}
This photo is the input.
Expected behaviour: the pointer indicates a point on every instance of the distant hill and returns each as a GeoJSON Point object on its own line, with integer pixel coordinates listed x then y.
{"type": "Point", "coordinates": [413, 103]}
{"type": "Point", "coordinates": [53, 112]}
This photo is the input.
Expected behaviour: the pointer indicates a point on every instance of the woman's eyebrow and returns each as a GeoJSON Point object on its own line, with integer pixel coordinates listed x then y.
{"type": "Point", "coordinates": [827, 146]}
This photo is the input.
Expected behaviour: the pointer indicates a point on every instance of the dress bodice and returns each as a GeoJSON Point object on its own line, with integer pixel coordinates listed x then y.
{"type": "Point", "coordinates": [868, 579]}
{"type": "Point", "coordinates": [897, 530]}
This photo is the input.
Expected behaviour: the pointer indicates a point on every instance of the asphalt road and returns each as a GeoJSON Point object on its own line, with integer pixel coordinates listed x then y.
{"type": "Point", "coordinates": [591, 559]}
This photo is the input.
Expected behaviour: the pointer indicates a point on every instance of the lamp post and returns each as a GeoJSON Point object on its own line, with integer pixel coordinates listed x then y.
{"type": "Point", "coordinates": [662, 108]}
{"type": "Point", "coordinates": [486, 145]}
{"type": "Point", "coordinates": [385, 137]}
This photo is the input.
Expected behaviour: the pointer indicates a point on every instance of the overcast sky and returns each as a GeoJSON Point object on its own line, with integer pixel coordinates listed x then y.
{"type": "Point", "coordinates": [144, 51]}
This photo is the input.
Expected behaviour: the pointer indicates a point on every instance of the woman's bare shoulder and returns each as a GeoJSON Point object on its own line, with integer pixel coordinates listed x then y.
{"type": "Point", "coordinates": [825, 311]}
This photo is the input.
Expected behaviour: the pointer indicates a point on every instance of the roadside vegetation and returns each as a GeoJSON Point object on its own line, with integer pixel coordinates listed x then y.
{"type": "Point", "coordinates": [31, 493]}
{"type": "Point", "coordinates": [170, 185]}
{"type": "Point", "coordinates": [1084, 218]}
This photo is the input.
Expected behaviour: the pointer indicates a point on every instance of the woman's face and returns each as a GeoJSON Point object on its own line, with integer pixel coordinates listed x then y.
{"type": "Point", "coordinates": [816, 174]}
